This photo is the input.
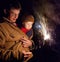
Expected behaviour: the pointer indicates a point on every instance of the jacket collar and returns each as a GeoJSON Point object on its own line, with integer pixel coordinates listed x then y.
{"type": "Point", "coordinates": [6, 19]}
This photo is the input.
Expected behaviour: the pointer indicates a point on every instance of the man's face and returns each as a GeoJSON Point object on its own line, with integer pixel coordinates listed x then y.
{"type": "Point", "coordinates": [13, 15]}
{"type": "Point", "coordinates": [28, 25]}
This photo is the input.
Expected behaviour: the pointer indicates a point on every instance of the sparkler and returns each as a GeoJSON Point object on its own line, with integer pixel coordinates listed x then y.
{"type": "Point", "coordinates": [44, 27]}
{"type": "Point", "coordinates": [44, 30]}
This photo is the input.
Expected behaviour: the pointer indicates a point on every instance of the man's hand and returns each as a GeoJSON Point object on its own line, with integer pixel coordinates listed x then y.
{"type": "Point", "coordinates": [26, 42]}
{"type": "Point", "coordinates": [26, 54]}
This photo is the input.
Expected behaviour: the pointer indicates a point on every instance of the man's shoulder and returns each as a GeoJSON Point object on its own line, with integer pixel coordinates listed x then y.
{"type": "Point", "coordinates": [2, 23]}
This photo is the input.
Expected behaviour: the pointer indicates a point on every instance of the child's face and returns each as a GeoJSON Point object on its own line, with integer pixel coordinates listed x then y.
{"type": "Point", "coordinates": [28, 25]}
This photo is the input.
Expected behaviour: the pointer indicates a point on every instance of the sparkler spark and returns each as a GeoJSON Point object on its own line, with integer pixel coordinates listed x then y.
{"type": "Point", "coordinates": [45, 32]}
{"type": "Point", "coordinates": [44, 27]}
{"type": "Point", "coordinates": [46, 37]}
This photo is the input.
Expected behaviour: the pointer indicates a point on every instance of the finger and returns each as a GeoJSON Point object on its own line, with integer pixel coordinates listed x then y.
{"type": "Point", "coordinates": [24, 45]}
{"type": "Point", "coordinates": [28, 53]}
{"type": "Point", "coordinates": [23, 40]}
{"type": "Point", "coordinates": [23, 52]}
{"type": "Point", "coordinates": [26, 56]}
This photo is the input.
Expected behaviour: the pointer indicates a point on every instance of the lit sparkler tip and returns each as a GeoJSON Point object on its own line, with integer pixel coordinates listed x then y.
{"type": "Point", "coordinates": [47, 37]}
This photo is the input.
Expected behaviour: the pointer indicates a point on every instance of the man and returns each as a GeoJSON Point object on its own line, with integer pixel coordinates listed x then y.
{"type": "Point", "coordinates": [13, 42]}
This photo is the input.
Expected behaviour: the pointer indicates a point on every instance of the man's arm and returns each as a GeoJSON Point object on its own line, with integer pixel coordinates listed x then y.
{"type": "Point", "coordinates": [2, 38]}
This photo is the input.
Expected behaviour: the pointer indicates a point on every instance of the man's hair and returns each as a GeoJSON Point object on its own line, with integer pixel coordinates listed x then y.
{"type": "Point", "coordinates": [13, 5]}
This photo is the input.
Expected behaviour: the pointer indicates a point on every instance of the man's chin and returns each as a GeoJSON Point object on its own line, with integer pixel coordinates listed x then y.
{"type": "Point", "coordinates": [14, 21]}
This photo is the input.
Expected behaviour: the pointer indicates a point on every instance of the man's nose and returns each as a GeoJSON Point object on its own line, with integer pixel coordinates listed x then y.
{"type": "Point", "coordinates": [16, 16]}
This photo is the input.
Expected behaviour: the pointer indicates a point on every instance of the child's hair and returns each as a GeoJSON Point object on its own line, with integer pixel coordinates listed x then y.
{"type": "Point", "coordinates": [27, 18]}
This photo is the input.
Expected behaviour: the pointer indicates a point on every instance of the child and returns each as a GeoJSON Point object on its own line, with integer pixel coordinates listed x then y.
{"type": "Point", "coordinates": [27, 23]}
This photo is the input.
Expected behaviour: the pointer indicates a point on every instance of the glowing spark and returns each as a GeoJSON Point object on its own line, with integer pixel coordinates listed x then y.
{"type": "Point", "coordinates": [45, 31]}
{"type": "Point", "coordinates": [46, 37]}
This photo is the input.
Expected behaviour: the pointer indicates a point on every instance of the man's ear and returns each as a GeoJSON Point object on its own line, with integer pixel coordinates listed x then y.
{"type": "Point", "coordinates": [5, 12]}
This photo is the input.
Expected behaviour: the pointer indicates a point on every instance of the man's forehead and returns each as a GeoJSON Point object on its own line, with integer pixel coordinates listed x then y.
{"type": "Point", "coordinates": [15, 10]}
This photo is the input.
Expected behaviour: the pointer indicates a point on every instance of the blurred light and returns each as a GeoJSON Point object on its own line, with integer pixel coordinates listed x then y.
{"type": "Point", "coordinates": [47, 37]}
{"type": "Point", "coordinates": [37, 25]}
